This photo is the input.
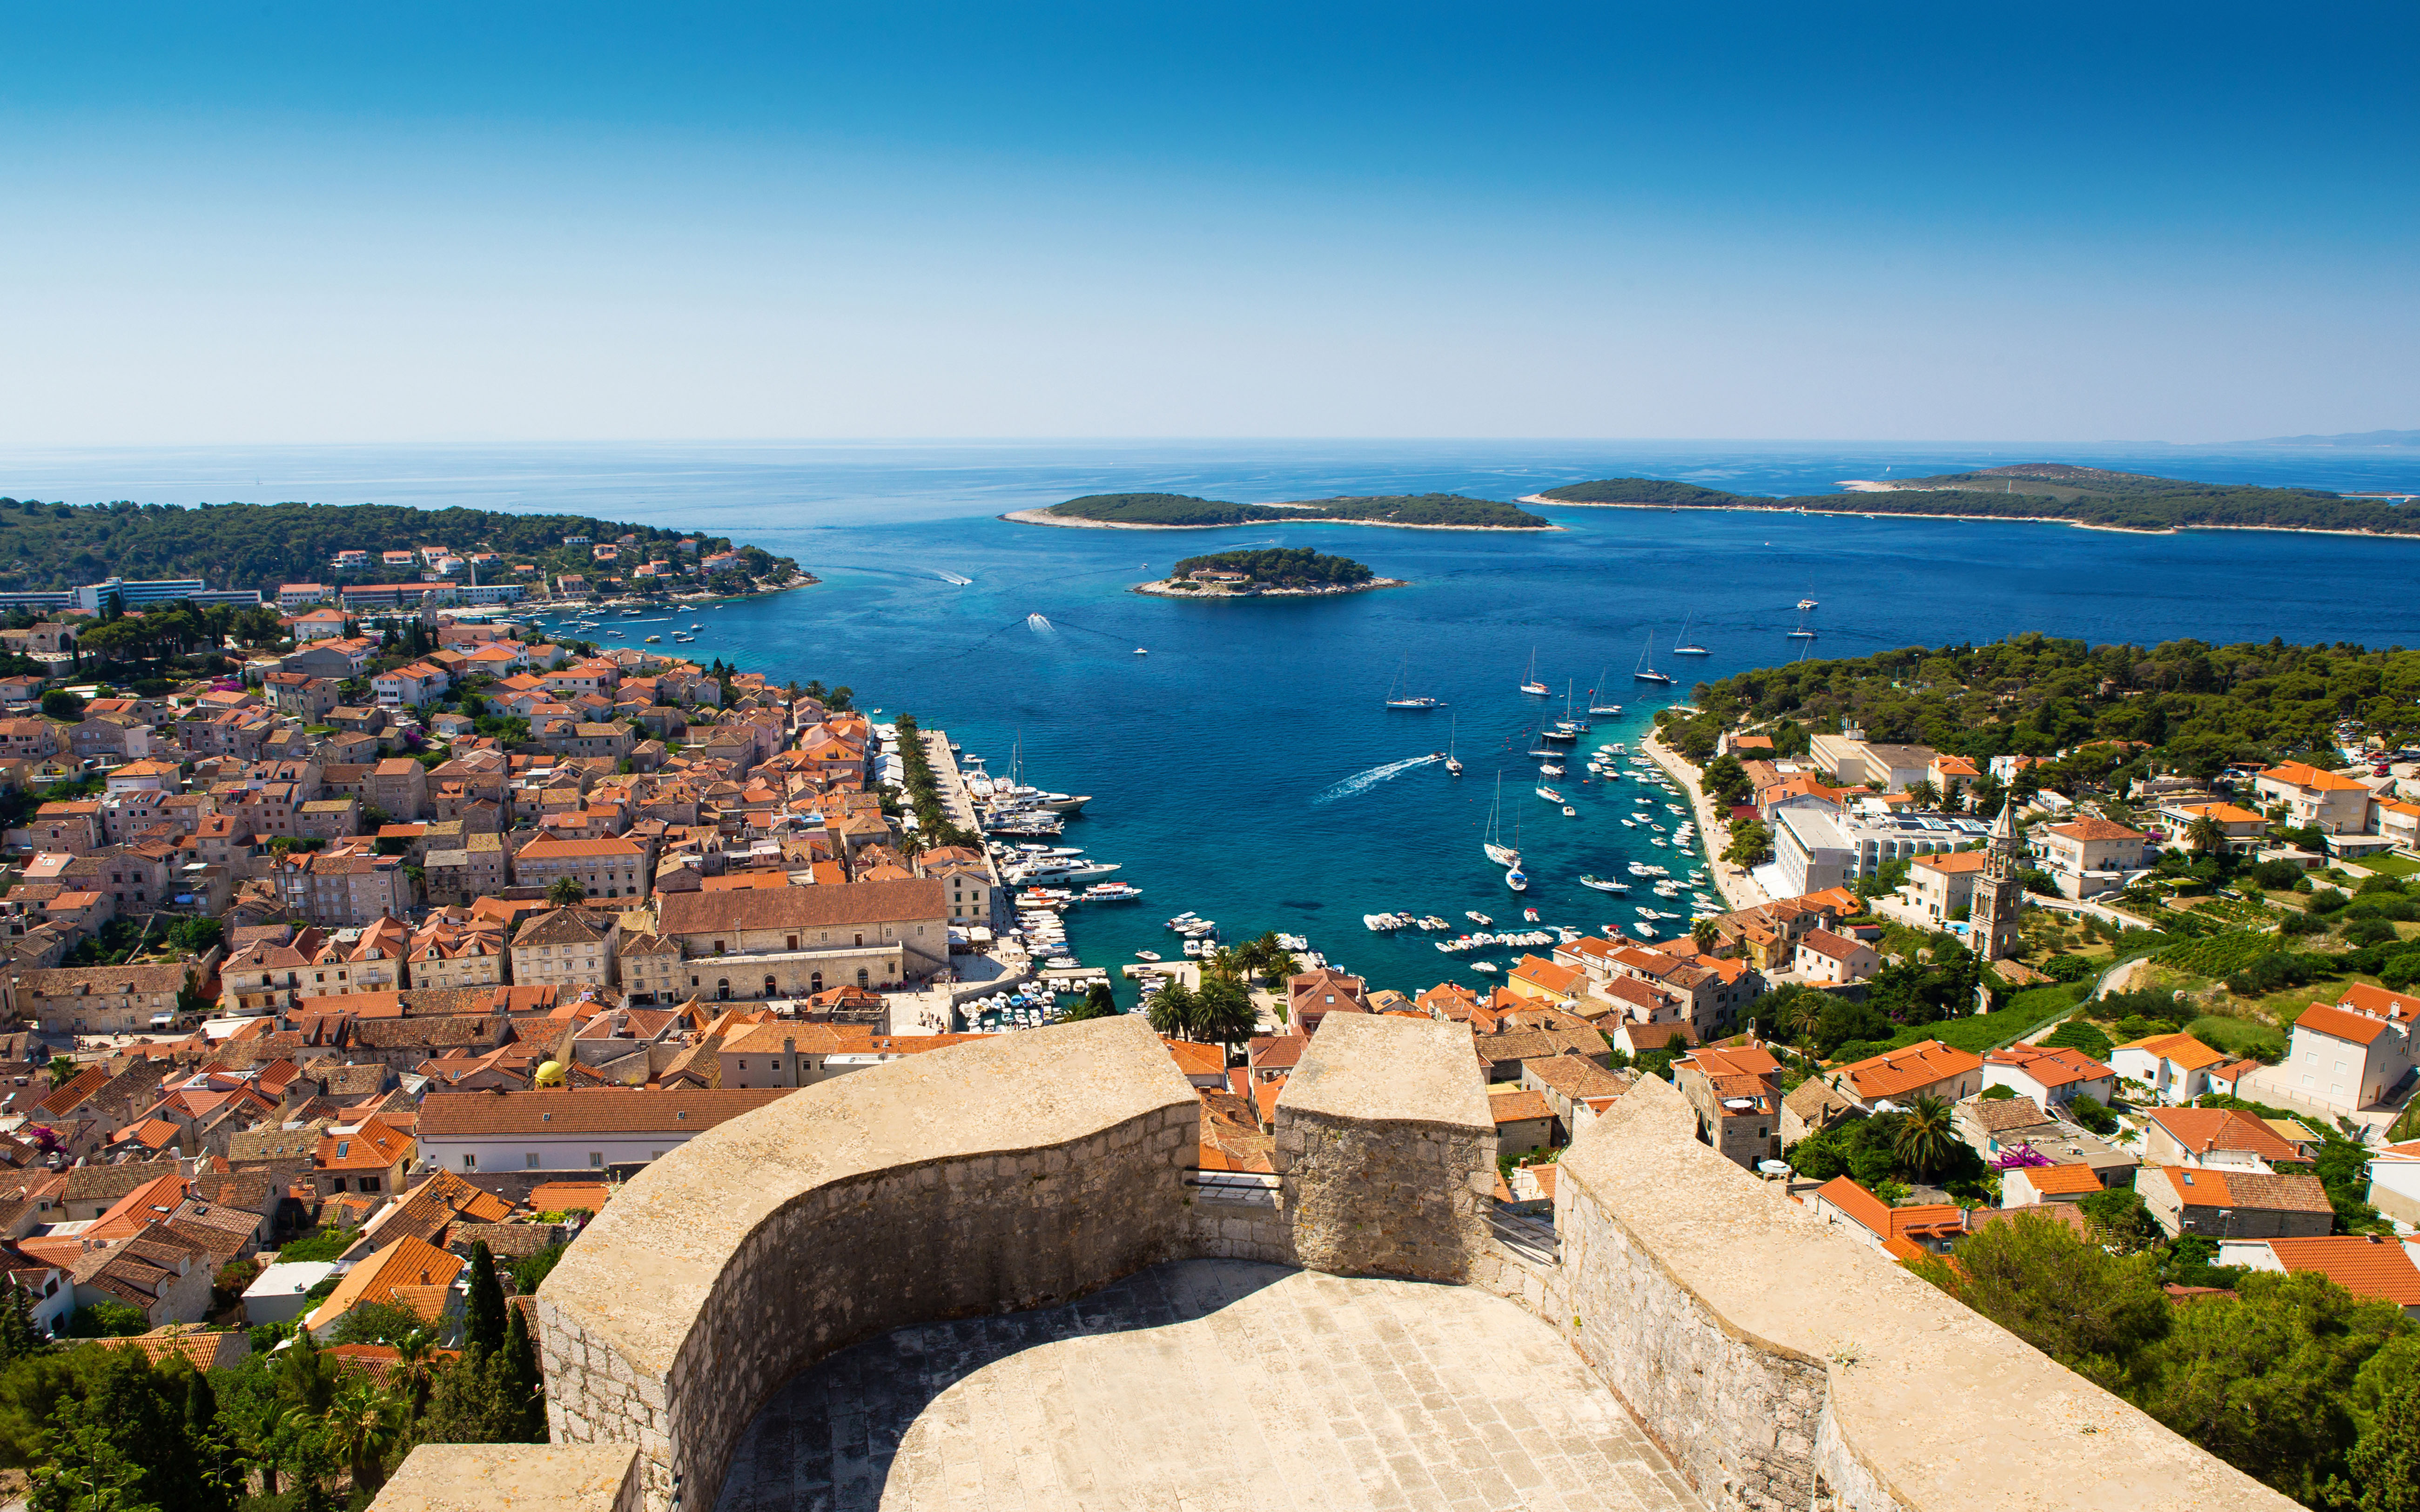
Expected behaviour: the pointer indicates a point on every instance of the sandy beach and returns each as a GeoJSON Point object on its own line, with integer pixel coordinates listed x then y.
{"type": "Point", "coordinates": [1044, 516]}
{"type": "Point", "coordinates": [1738, 888]}
{"type": "Point", "coordinates": [1907, 513]}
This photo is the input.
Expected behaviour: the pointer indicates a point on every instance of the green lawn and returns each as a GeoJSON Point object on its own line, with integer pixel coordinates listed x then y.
{"type": "Point", "coordinates": [2391, 865]}
{"type": "Point", "coordinates": [2238, 1036]}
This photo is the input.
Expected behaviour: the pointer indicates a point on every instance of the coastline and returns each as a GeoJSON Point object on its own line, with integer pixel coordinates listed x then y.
{"type": "Point", "coordinates": [1739, 890]}
{"type": "Point", "coordinates": [1043, 516]}
{"type": "Point", "coordinates": [1159, 589]}
{"type": "Point", "coordinates": [1908, 513]}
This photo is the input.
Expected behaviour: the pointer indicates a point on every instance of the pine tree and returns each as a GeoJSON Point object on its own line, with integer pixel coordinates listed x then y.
{"type": "Point", "coordinates": [19, 1337]}
{"type": "Point", "coordinates": [483, 1317]}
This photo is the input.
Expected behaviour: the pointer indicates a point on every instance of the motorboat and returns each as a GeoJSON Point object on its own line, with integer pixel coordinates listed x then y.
{"type": "Point", "coordinates": [1550, 769]}
{"type": "Point", "coordinates": [1477, 918]}
{"type": "Point", "coordinates": [1570, 813]}
{"type": "Point", "coordinates": [1549, 793]}
{"type": "Point", "coordinates": [1602, 884]}
{"type": "Point", "coordinates": [1530, 915]}
{"type": "Point", "coordinates": [1517, 880]}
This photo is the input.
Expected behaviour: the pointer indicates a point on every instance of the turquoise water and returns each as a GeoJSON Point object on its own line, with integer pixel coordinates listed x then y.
{"type": "Point", "coordinates": [1216, 760]}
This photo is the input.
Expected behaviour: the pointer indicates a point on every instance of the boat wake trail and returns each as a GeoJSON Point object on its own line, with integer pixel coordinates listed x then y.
{"type": "Point", "coordinates": [1364, 781]}
{"type": "Point", "coordinates": [1040, 626]}
{"type": "Point", "coordinates": [953, 578]}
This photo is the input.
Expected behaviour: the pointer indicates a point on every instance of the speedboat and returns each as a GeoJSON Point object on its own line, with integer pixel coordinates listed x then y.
{"type": "Point", "coordinates": [1146, 955]}
{"type": "Point", "coordinates": [1488, 966]}
{"type": "Point", "coordinates": [1550, 769]}
{"type": "Point", "coordinates": [1421, 704]}
{"type": "Point", "coordinates": [1601, 885]}
{"type": "Point", "coordinates": [1530, 915]}
{"type": "Point", "coordinates": [1477, 918]}
{"type": "Point", "coordinates": [1517, 880]}
{"type": "Point", "coordinates": [1570, 813]}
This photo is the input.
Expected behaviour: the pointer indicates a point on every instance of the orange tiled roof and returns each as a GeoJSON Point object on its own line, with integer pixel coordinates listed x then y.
{"type": "Point", "coordinates": [2182, 1049]}
{"type": "Point", "coordinates": [2360, 1028]}
{"type": "Point", "coordinates": [2303, 774]}
{"type": "Point", "coordinates": [2380, 1002]}
{"type": "Point", "coordinates": [2362, 1265]}
{"type": "Point", "coordinates": [2201, 1129]}
{"type": "Point", "coordinates": [2060, 1180]}
{"type": "Point", "coordinates": [1900, 1070]}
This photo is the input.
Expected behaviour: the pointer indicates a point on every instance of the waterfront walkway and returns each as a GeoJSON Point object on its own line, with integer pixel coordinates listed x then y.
{"type": "Point", "coordinates": [1739, 890]}
{"type": "Point", "coordinates": [1209, 1383]}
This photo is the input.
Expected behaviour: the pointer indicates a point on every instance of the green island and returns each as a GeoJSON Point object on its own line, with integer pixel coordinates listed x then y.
{"type": "Point", "coordinates": [1273, 571]}
{"type": "Point", "coordinates": [1184, 511]}
{"type": "Point", "coordinates": [2040, 490]}
{"type": "Point", "coordinates": [53, 546]}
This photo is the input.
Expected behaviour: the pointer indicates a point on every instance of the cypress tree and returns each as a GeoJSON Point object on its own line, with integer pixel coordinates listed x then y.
{"type": "Point", "coordinates": [483, 1317]}
{"type": "Point", "coordinates": [19, 1337]}
{"type": "Point", "coordinates": [521, 1376]}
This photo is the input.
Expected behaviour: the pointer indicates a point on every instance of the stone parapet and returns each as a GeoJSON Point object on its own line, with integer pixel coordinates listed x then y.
{"type": "Point", "coordinates": [990, 1178]}
{"type": "Point", "coordinates": [1781, 1365]}
{"type": "Point", "coordinates": [1386, 1150]}
{"type": "Point", "coordinates": [515, 1478]}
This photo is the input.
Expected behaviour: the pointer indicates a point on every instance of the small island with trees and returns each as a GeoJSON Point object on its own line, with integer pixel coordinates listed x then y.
{"type": "Point", "coordinates": [1183, 512]}
{"type": "Point", "coordinates": [2093, 497]}
{"type": "Point", "coordinates": [1278, 572]}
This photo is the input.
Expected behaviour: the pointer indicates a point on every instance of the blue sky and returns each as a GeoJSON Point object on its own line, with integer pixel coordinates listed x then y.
{"type": "Point", "coordinates": [320, 224]}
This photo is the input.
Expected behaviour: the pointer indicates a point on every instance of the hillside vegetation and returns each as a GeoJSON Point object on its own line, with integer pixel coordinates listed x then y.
{"type": "Point", "coordinates": [261, 546]}
{"type": "Point", "coordinates": [1283, 567]}
{"type": "Point", "coordinates": [1388, 509]}
{"type": "Point", "coordinates": [2044, 491]}
{"type": "Point", "coordinates": [2194, 706]}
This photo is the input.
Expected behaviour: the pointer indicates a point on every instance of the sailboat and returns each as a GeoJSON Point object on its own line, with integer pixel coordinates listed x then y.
{"type": "Point", "coordinates": [1452, 762]}
{"type": "Point", "coordinates": [1646, 671]}
{"type": "Point", "coordinates": [1802, 633]}
{"type": "Point", "coordinates": [1531, 684]}
{"type": "Point", "coordinates": [1686, 647]}
{"type": "Point", "coordinates": [1567, 728]}
{"type": "Point", "coordinates": [1393, 688]}
{"type": "Point", "coordinates": [1594, 708]}
{"type": "Point", "coordinates": [1507, 856]}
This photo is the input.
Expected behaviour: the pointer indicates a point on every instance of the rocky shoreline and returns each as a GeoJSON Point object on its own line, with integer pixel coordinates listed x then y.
{"type": "Point", "coordinates": [1739, 890]}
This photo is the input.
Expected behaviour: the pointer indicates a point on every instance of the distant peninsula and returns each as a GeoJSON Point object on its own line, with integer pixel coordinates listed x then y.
{"type": "Point", "coordinates": [2093, 497]}
{"type": "Point", "coordinates": [1184, 512]}
{"type": "Point", "coordinates": [1276, 572]}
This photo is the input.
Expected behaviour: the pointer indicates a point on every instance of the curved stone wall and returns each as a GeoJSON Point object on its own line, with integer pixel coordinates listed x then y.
{"type": "Point", "coordinates": [988, 1178]}
{"type": "Point", "coordinates": [1783, 1367]}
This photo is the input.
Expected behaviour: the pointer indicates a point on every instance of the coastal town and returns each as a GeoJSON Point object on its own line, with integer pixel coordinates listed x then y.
{"type": "Point", "coordinates": [351, 983]}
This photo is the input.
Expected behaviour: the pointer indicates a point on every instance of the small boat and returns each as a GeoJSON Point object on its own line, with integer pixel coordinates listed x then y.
{"type": "Point", "coordinates": [1646, 671]}
{"type": "Point", "coordinates": [1488, 966]}
{"type": "Point", "coordinates": [1477, 918]}
{"type": "Point", "coordinates": [1453, 767]}
{"type": "Point", "coordinates": [1530, 915]}
{"type": "Point", "coordinates": [1602, 885]}
{"type": "Point", "coordinates": [1686, 647]}
{"type": "Point", "coordinates": [1146, 955]}
{"type": "Point", "coordinates": [1806, 604]}
{"type": "Point", "coordinates": [1517, 880]}
{"type": "Point", "coordinates": [1531, 684]}
{"type": "Point", "coordinates": [654, 640]}
{"type": "Point", "coordinates": [1140, 651]}
{"type": "Point", "coordinates": [1549, 793]}
{"type": "Point", "coordinates": [695, 626]}
{"type": "Point", "coordinates": [1550, 769]}
{"type": "Point", "coordinates": [1570, 813]}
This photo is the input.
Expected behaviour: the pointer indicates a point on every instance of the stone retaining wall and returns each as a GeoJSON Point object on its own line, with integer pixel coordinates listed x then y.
{"type": "Point", "coordinates": [993, 1178]}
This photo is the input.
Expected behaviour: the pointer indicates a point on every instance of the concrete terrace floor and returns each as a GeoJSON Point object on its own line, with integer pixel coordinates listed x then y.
{"type": "Point", "coordinates": [1209, 1384]}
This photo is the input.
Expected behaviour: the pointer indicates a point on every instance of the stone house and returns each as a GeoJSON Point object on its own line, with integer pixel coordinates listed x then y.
{"type": "Point", "coordinates": [2221, 1204]}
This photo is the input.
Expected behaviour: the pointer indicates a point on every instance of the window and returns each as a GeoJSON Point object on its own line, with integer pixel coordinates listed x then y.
{"type": "Point", "coordinates": [470, 1163]}
{"type": "Point", "coordinates": [595, 1158]}
{"type": "Point", "coordinates": [530, 1160]}
{"type": "Point", "coordinates": [860, 939]}
{"type": "Point", "coordinates": [861, 976]}
{"type": "Point", "coordinates": [772, 988]}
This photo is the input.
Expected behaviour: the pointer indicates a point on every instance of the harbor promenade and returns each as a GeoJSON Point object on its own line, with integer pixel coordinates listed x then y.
{"type": "Point", "coordinates": [1738, 888]}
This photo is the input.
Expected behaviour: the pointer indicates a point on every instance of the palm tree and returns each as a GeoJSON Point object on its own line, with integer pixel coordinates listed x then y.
{"type": "Point", "coordinates": [566, 892]}
{"type": "Point", "coordinates": [363, 1423]}
{"type": "Point", "coordinates": [1923, 795]}
{"type": "Point", "coordinates": [1223, 964]}
{"type": "Point", "coordinates": [2205, 834]}
{"type": "Point", "coordinates": [1098, 1004]}
{"type": "Point", "coordinates": [1804, 1017]}
{"type": "Point", "coordinates": [415, 1368]}
{"type": "Point", "coordinates": [1175, 1012]}
{"type": "Point", "coordinates": [1281, 965]}
{"type": "Point", "coordinates": [1925, 1136]}
{"type": "Point", "coordinates": [1707, 933]}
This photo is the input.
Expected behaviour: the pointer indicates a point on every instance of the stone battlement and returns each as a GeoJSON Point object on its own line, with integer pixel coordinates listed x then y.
{"type": "Point", "coordinates": [1777, 1366]}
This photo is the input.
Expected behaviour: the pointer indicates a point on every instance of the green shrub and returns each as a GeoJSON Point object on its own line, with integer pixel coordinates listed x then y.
{"type": "Point", "coordinates": [2327, 900]}
{"type": "Point", "coordinates": [2068, 968]}
{"type": "Point", "coordinates": [2075, 1034]}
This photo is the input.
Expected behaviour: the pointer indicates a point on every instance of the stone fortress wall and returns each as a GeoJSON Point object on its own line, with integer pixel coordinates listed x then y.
{"type": "Point", "coordinates": [1778, 1365]}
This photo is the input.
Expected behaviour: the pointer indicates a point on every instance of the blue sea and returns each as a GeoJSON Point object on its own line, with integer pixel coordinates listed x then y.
{"type": "Point", "coordinates": [1245, 768]}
